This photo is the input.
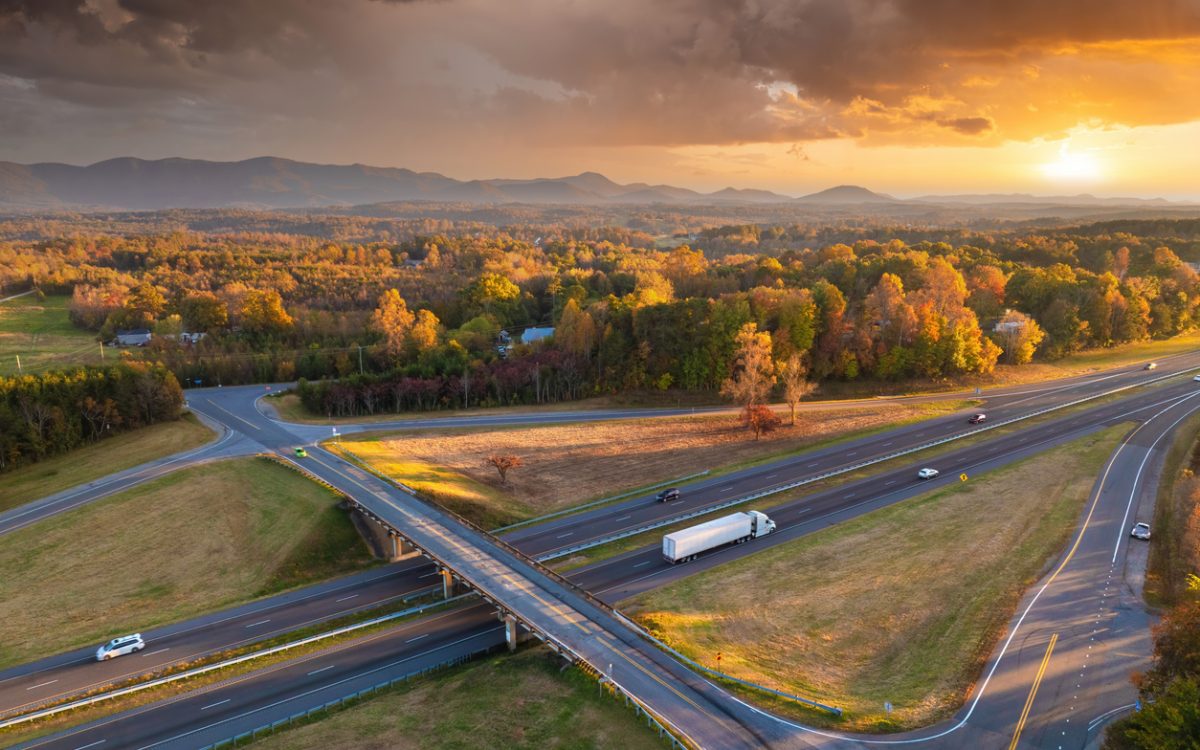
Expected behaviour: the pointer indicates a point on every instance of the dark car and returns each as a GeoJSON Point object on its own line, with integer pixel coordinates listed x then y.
{"type": "Point", "coordinates": [976, 419]}
{"type": "Point", "coordinates": [669, 494]}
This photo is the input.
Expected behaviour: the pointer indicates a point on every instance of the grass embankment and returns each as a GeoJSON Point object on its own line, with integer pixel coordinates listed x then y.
{"type": "Point", "coordinates": [99, 460]}
{"type": "Point", "coordinates": [569, 464]}
{"type": "Point", "coordinates": [521, 701]}
{"type": "Point", "coordinates": [903, 604]}
{"type": "Point", "coordinates": [42, 335]}
{"type": "Point", "coordinates": [1175, 544]}
{"type": "Point", "coordinates": [191, 542]}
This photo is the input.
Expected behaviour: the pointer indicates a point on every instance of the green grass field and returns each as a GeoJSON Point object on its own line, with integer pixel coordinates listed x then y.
{"type": "Point", "coordinates": [522, 701]}
{"type": "Point", "coordinates": [191, 542]}
{"type": "Point", "coordinates": [903, 604]}
{"type": "Point", "coordinates": [41, 334]}
{"type": "Point", "coordinates": [94, 462]}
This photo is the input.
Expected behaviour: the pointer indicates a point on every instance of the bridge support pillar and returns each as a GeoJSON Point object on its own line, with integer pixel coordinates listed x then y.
{"type": "Point", "coordinates": [512, 632]}
{"type": "Point", "coordinates": [401, 548]}
{"type": "Point", "coordinates": [449, 585]}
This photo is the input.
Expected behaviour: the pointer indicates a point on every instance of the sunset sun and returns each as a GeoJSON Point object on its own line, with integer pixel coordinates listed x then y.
{"type": "Point", "coordinates": [1072, 166]}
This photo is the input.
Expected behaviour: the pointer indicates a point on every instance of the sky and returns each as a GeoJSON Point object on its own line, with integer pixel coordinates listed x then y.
{"type": "Point", "coordinates": [902, 96]}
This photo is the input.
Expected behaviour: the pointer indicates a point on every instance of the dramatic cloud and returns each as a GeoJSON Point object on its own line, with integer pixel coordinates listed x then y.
{"type": "Point", "coordinates": [475, 78]}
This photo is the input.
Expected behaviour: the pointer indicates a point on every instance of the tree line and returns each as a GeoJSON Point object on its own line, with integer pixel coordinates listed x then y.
{"type": "Point", "coordinates": [49, 414]}
{"type": "Point", "coordinates": [630, 316]}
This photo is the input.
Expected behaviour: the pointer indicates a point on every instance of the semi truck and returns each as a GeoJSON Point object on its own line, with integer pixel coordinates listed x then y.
{"type": "Point", "coordinates": [687, 544]}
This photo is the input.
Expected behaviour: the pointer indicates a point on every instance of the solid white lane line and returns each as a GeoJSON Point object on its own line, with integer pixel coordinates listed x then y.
{"type": "Point", "coordinates": [322, 669]}
{"type": "Point", "coordinates": [256, 624]}
{"type": "Point", "coordinates": [40, 685]}
{"type": "Point", "coordinates": [345, 598]}
{"type": "Point", "coordinates": [214, 705]}
{"type": "Point", "coordinates": [419, 637]}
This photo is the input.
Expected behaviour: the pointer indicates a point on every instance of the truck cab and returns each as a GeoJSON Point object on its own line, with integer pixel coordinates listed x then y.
{"type": "Point", "coordinates": [761, 524]}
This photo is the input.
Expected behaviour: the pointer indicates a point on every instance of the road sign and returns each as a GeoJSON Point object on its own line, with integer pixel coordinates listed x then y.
{"type": "Point", "coordinates": [962, 477]}
{"type": "Point", "coordinates": [887, 706]}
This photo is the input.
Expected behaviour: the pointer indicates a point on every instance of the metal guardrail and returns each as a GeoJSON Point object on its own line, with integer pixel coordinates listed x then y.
{"type": "Point", "coordinates": [84, 702]}
{"type": "Point", "coordinates": [565, 551]}
{"type": "Point", "coordinates": [601, 501]}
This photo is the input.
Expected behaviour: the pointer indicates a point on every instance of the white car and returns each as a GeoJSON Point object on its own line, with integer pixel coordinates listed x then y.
{"type": "Point", "coordinates": [927, 473]}
{"type": "Point", "coordinates": [1140, 531]}
{"type": "Point", "coordinates": [1197, 378]}
{"type": "Point", "coordinates": [126, 644]}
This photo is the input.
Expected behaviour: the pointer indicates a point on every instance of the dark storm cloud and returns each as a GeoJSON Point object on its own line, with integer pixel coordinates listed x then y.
{"type": "Point", "coordinates": [609, 72]}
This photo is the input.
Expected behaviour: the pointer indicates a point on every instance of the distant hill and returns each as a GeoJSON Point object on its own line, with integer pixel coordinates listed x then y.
{"type": "Point", "coordinates": [846, 195]}
{"type": "Point", "coordinates": [128, 184]}
{"type": "Point", "coordinates": [269, 182]}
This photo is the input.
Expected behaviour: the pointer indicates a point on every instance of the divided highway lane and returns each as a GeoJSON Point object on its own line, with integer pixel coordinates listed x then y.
{"type": "Point", "coordinates": [642, 569]}
{"type": "Point", "coordinates": [31, 685]}
{"type": "Point", "coordinates": [637, 512]}
{"type": "Point", "coordinates": [202, 717]}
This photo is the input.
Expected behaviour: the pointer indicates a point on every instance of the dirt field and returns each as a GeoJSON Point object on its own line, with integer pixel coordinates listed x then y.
{"type": "Point", "coordinates": [200, 539]}
{"type": "Point", "coordinates": [901, 605]}
{"type": "Point", "coordinates": [566, 465]}
{"type": "Point", "coordinates": [520, 701]}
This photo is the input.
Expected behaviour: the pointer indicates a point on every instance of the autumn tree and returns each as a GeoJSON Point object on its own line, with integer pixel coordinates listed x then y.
{"type": "Point", "coordinates": [753, 376]}
{"type": "Point", "coordinates": [203, 311]}
{"type": "Point", "coordinates": [1018, 336]}
{"type": "Point", "coordinates": [576, 330]}
{"type": "Point", "coordinates": [262, 312]}
{"type": "Point", "coordinates": [759, 418]}
{"type": "Point", "coordinates": [505, 463]}
{"type": "Point", "coordinates": [754, 370]}
{"type": "Point", "coordinates": [393, 319]}
{"type": "Point", "coordinates": [796, 384]}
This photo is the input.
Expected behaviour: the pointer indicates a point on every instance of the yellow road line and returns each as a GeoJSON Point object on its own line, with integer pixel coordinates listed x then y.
{"type": "Point", "coordinates": [1033, 692]}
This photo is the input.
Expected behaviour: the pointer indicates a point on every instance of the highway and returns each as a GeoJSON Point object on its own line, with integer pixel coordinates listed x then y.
{"type": "Point", "coordinates": [826, 507]}
{"type": "Point", "coordinates": [62, 676]}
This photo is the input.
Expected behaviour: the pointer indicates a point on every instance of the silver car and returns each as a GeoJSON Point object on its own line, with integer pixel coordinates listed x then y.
{"type": "Point", "coordinates": [1140, 531]}
{"type": "Point", "coordinates": [126, 644]}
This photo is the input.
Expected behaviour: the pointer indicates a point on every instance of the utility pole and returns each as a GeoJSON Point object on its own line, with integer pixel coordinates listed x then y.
{"type": "Point", "coordinates": [360, 364]}
{"type": "Point", "coordinates": [101, 351]}
{"type": "Point", "coordinates": [19, 364]}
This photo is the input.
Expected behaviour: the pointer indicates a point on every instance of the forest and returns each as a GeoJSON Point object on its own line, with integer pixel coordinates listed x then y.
{"type": "Point", "coordinates": [417, 322]}
{"type": "Point", "coordinates": [50, 414]}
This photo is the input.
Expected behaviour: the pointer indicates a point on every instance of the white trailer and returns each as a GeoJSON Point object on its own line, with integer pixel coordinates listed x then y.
{"type": "Point", "coordinates": [686, 544]}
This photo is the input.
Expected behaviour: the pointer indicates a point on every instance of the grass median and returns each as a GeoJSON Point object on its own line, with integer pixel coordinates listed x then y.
{"type": "Point", "coordinates": [902, 605]}
{"type": "Point", "coordinates": [526, 700]}
{"type": "Point", "coordinates": [570, 464]}
{"type": "Point", "coordinates": [99, 460]}
{"type": "Point", "coordinates": [194, 541]}
{"type": "Point", "coordinates": [1175, 547]}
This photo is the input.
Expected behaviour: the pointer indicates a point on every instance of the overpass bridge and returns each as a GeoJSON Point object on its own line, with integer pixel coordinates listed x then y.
{"type": "Point", "coordinates": [530, 599]}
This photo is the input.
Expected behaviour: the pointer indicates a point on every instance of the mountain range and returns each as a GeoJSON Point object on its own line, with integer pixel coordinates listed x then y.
{"type": "Point", "coordinates": [132, 184]}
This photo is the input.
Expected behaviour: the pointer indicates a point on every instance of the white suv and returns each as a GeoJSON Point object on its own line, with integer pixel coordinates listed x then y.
{"type": "Point", "coordinates": [927, 473]}
{"type": "Point", "coordinates": [126, 644]}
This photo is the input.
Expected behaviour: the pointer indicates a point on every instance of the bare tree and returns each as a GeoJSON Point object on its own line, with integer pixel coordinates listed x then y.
{"type": "Point", "coordinates": [796, 385]}
{"type": "Point", "coordinates": [754, 370]}
{"type": "Point", "coordinates": [505, 463]}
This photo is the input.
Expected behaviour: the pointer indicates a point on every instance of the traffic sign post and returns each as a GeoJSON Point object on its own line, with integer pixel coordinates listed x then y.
{"type": "Point", "coordinates": [962, 477]}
